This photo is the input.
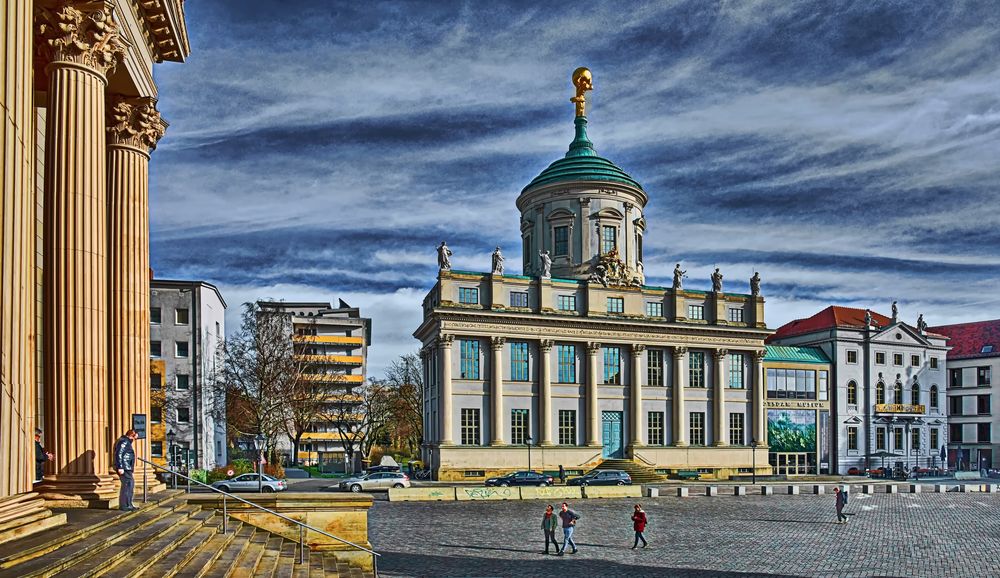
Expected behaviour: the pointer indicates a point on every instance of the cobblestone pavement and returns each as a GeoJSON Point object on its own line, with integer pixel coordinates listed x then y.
{"type": "Point", "coordinates": [950, 535]}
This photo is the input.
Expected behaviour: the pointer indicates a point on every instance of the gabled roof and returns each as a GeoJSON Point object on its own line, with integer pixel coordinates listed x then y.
{"type": "Point", "coordinates": [829, 318]}
{"type": "Point", "coordinates": [968, 339]}
{"type": "Point", "coordinates": [793, 354]}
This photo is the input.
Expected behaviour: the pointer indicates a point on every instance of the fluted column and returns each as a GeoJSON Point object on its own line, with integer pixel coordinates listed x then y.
{"type": "Point", "coordinates": [636, 421]}
{"type": "Point", "coordinates": [680, 382]}
{"type": "Point", "coordinates": [593, 407]}
{"type": "Point", "coordinates": [545, 392]}
{"type": "Point", "coordinates": [759, 407]}
{"type": "Point", "coordinates": [496, 390]}
{"type": "Point", "coordinates": [720, 419]}
{"type": "Point", "coordinates": [83, 44]}
{"type": "Point", "coordinates": [134, 127]}
{"type": "Point", "coordinates": [444, 343]}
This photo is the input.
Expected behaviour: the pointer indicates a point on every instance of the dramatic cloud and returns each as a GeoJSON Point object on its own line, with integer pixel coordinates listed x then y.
{"type": "Point", "coordinates": [848, 151]}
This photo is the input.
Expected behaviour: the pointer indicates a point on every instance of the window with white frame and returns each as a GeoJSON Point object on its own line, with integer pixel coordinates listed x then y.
{"type": "Point", "coordinates": [155, 315]}
{"type": "Point", "coordinates": [181, 349]}
{"type": "Point", "coordinates": [612, 366]}
{"type": "Point", "coordinates": [696, 312]}
{"type": "Point", "coordinates": [182, 317]}
{"type": "Point", "coordinates": [519, 361]}
{"type": "Point", "coordinates": [696, 369]}
{"type": "Point", "coordinates": [737, 377]}
{"type": "Point", "coordinates": [561, 235]}
{"type": "Point", "coordinates": [654, 309]}
{"type": "Point", "coordinates": [518, 299]}
{"type": "Point", "coordinates": [696, 427]}
{"type": "Point", "coordinates": [469, 365]}
{"type": "Point", "coordinates": [566, 357]}
{"type": "Point", "coordinates": [654, 428]}
{"type": "Point", "coordinates": [654, 367]}
{"type": "Point", "coordinates": [616, 305]}
{"type": "Point", "coordinates": [566, 302]}
{"type": "Point", "coordinates": [518, 426]}
{"type": "Point", "coordinates": [468, 295]}
{"type": "Point", "coordinates": [567, 427]}
{"type": "Point", "coordinates": [735, 315]}
{"type": "Point", "coordinates": [737, 423]}
{"type": "Point", "coordinates": [470, 426]}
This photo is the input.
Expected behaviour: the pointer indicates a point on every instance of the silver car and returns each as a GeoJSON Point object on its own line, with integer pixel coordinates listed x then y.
{"type": "Point", "coordinates": [376, 481]}
{"type": "Point", "coordinates": [249, 483]}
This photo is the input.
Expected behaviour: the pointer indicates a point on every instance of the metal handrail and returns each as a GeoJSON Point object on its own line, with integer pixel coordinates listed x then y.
{"type": "Point", "coordinates": [225, 514]}
{"type": "Point", "coordinates": [643, 459]}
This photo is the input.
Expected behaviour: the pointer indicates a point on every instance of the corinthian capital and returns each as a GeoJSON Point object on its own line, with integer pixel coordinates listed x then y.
{"type": "Point", "coordinates": [83, 32]}
{"type": "Point", "coordinates": [135, 122]}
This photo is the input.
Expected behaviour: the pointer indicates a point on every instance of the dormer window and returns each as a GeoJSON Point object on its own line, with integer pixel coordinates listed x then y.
{"type": "Point", "coordinates": [986, 349]}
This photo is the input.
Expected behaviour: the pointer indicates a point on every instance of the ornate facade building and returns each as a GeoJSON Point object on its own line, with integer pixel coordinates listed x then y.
{"type": "Point", "coordinates": [80, 120]}
{"type": "Point", "coordinates": [578, 358]}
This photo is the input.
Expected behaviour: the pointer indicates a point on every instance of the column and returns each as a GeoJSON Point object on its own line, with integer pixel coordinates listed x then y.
{"type": "Point", "coordinates": [593, 407]}
{"type": "Point", "coordinates": [444, 343]}
{"type": "Point", "coordinates": [134, 127]}
{"type": "Point", "coordinates": [759, 405]}
{"type": "Point", "coordinates": [680, 382]}
{"type": "Point", "coordinates": [545, 392]}
{"type": "Point", "coordinates": [83, 45]}
{"type": "Point", "coordinates": [636, 421]}
{"type": "Point", "coordinates": [496, 391]}
{"type": "Point", "coordinates": [721, 420]}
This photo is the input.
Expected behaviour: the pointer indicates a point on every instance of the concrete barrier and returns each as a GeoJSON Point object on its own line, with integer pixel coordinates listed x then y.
{"type": "Point", "coordinates": [868, 488]}
{"type": "Point", "coordinates": [682, 492]}
{"type": "Point", "coordinates": [914, 488]}
{"type": "Point", "coordinates": [891, 488]}
{"type": "Point", "coordinates": [940, 488]}
{"type": "Point", "coordinates": [463, 494]}
{"type": "Point", "coordinates": [712, 490]}
{"type": "Point", "coordinates": [442, 494]}
{"type": "Point", "coordinates": [612, 492]}
{"type": "Point", "coordinates": [793, 490]}
{"type": "Point", "coordinates": [551, 493]}
{"type": "Point", "coordinates": [652, 492]}
{"type": "Point", "coordinates": [766, 491]}
{"type": "Point", "coordinates": [819, 489]}
{"type": "Point", "coordinates": [990, 488]}
{"type": "Point", "coordinates": [740, 491]}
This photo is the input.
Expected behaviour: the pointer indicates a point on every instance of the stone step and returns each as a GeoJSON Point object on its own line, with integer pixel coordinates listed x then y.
{"type": "Point", "coordinates": [269, 561]}
{"type": "Point", "coordinates": [286, 561]}
{"type": "Point", "coordinates": [225, 564]}
{"type": "Point", "coordinates": [160, 547]}
{"type": "Point", "coordinates": [316, 569]}
{"type": "Point", "coordinates": [186, 549]}
{"type": "Point", "coordinates": [246, 566]}
{"type": "Point", "coordinates": [203, 559]}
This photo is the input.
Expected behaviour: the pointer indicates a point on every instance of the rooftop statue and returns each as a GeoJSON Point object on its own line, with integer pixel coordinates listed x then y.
{"type": "Point", "coordinates": [679, 276]}
{"type": "Point", "coordinates": [717, 281]}
{"type": "Point", "coordinates": [497, 262]}
{"type": "Point", "coordinates": [755, 284]}
{"type": "Point", "coordinates": [895, 312]}
{"type": "Point", "coordinates": [444, 257]}
{"type": "Point", "coordinates": [546, 264]}
{"type": "Point", "coordinates": [584, 82]}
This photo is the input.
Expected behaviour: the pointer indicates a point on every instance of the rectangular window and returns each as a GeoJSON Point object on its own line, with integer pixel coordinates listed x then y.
{"type": "Point", "coordinates": [155, 315]}
{"type": "Point", "coordinates": [735, 315]}
{"type": "Point", "coordinates": [612, 366]}
{"type": "Point", "coordinates": [567, 363]}
{"type": "Point", "coordinates": [736, 427]}
{"type": "Point", "coordinates": [468, 295]}
{"type": "Point", "coordinates": [183, 415]}
{"type": "Point", "coordinates": [696, 369]}
{"type": "Point", "coordinates": [792, 384]}
{"type": "Point", "coordinates": [566, 302]}
{"type": "Point", "coordinates": [897, 359]}
{"type": "Point", "coordinates": [897, 438]}
{"type": "Point", "coordinates": [696, 312]}
{"type": "Point", "coordinates": [955, 403]}
{"type": "Point", "coordinates": [880, 439]}
{"type": "Point", "coordinates": [469, 358]}
{"type": "Point", "coordinates": [914, 439]}
{"type": "Point", "coordinates": [155, 349]}
{"type": "Point", "coordinates": [983, 433]}
{"type": "Point", "coordinates": [156, 449]}
{"type": "Point", "coordinates": [155, 381]}
{"type": "Point", "coordinates": [983, 376]}
{"type": "Point", "coordinates": [616, 305]}
{"type": "Point", "coordinates": [736, 373]}
{"type": "Point", "coordinates": [609, 239]}
{"type": "Point", "coordinates": [934, 438]}
{"type": "Point", "coordinates": [155, 414]}
{"type": "Point", "coordinates": [654, 309]}
{"type": "Point", "coordinates": [567, 427]}
{"type": "Point", "coordinates": [955, 377]}
{"type": "Point", "coordinates": [879, 358]}
{"type": "Point", "coordinates": [654, 428]}
{"type": "Point", "coordinates": [852, 393]}
{"type": "Point", "coordinates": [852, 438]}
{"type": "Point", "coordinates": [955, 432]}
{"type": "Point", "coordinates": [697, 428]}
{"type": "Point", "coordinates": [914, 361]}
{"type": "Point", "coordinates": [183, 381]}
{"type": "Point", "coordinates": [934, 362]}
{"type": "Point", "coordinates": [982, 404]}
{"type": "Point", "coordinates": [182, 317]}
{"type": "Point", "coordinates": [518, 299]}
{"type": "Point", "coordinates": [852, 356]}
{"type": "Point", "coordinates": [562, 242]}
{"type": "Point", "coordinates": [654, 367]}
{"type": "Point", "coordinates": [181, 349]}
{"type": "Point", "coordinates": [824, 386]}
{"type": "Point", "coordinates": [470, 426]}
{"type": "Point", "coordinates": [518, 426]}
{"type": "Point", "coordinates": [519, 361]}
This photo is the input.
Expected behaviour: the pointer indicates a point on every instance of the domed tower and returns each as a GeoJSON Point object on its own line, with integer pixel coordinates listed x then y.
{"type": "Point", "coordinates": [584, 212]}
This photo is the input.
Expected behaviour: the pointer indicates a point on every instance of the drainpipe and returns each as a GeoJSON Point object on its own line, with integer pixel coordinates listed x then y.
{"type": "Point", "coordinates": [868, 402]}
{"type": "Point", "coordinates": [195, 361]}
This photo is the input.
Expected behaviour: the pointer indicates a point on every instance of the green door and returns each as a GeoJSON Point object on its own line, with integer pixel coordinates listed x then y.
{"type": "Point", "coordinates": [611, 431]}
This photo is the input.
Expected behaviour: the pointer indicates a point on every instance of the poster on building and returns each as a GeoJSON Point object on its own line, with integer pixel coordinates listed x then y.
{"type": "Point", "coordinates": [791, 430]}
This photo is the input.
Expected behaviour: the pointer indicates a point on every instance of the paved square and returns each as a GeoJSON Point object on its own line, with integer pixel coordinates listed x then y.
{"type": "Point", "coordinates": [888, 535]}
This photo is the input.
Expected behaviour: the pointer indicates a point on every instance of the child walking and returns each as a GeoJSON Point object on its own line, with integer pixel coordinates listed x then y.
{"type": "Point", "coordinates": [639, 525]}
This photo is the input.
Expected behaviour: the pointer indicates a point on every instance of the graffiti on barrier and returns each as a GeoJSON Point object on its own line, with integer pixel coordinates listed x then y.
{"type": "Point", "coordinates": [487, 493]}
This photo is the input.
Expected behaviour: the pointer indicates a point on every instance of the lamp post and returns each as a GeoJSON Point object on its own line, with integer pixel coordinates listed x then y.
{"type": "Point", "coordinates": [753, 453]}
{"type": "Point", "coordinates": [258, 444]}
{"type": "Point", "coordinates": [171, 437]}
{"type": "Point", "coordinates": [527, 442]}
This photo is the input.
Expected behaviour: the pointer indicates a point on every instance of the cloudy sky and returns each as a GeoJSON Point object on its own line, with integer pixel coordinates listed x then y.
{"type": "Point", "coordinates": [850, 151]}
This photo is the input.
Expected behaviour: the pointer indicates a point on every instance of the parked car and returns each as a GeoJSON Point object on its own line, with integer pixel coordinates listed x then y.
{"type": "Point", "coordinates": [854, 471]}
{"type": "Point", "coordinates": [524, 478]}
{"type": "Point", "coordinates": [377, 469]}
{"type": "Point", "coordinates": [249, 483]}
{"type": "Point", "coordinates": [375, 481]}
{"type": "Point", "coordinates": [602, 478]}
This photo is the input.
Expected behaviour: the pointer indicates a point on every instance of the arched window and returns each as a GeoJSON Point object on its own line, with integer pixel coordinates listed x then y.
{"type": "Point", "coordinates": [852, 393]}
{"type": "Point", "coordinates": [880, 393]}
{"type": "Point", "coordinates": [897, 392]}
{"type": "Point", "coordinates": [915, 393]}
{"type": "Point", "coordinates": [934, 397]}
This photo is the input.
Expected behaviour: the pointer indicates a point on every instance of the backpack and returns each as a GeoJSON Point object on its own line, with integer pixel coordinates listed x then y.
{"type": "Point", "coordinates": [845, 494]}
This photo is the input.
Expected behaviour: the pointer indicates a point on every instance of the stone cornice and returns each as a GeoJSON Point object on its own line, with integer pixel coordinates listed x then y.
{"type": "Point", "coordinates": [135, 122]}
{"type": "Point", "coordinates": [83, 33]}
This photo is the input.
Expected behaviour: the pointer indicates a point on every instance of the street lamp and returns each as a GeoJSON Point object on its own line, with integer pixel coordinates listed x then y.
{"type": "Point", "coordinates": [171, 437]}
{"type": "Point", "coordinates": [753, 453]}
{"type": "Point", "coordinates": [527, 442]}
{"type": "Point", "coordinates": [258, 444]}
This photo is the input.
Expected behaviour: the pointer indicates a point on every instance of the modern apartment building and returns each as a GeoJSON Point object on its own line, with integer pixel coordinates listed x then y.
{"type": "Point", "coordinates": [332, 343]}
{"type": "Point", "coordinates": [974, 358]}
{"type": "Point", "coordinates": [187, 324]}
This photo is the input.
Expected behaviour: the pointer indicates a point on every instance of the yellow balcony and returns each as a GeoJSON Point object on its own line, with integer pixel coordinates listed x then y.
{"type": "Point", "coordinates": [328, 435]}
{"type": "Point", "coordinates": [336, 339]}
{"type": "Point", "coordinates": [331, 378]}
{"type": "Point", "coordinates": [332, 359]}
{"type": "Point", "coordinates": [342, 398]}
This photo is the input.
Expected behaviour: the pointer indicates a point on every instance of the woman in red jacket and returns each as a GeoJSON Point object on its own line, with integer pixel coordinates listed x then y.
{"type": "Point", "coordinates": [639, 525]}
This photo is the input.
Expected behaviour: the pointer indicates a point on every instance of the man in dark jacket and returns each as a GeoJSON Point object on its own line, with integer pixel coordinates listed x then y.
{"type": "Point", "coordinates": [569, 518]}
{"type": "Point", "coordinates": [125, 464]}
{"type": "Point", "coordinates": [841, 502]}
{"type": "Point", "coordinates": [41, 456]}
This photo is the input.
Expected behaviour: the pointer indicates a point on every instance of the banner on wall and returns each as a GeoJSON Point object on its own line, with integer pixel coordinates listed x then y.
{"type": "Point", "coordinates": [791, 430]}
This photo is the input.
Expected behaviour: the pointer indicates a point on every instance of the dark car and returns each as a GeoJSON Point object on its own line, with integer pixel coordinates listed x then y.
{"type": "Point", "coordinates": [525, 478]}
{"type": "Point", "coordinates": [602, 478]}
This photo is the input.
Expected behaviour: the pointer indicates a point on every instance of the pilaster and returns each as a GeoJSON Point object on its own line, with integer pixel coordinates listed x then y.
{"type": "Point", "coordinates": [496, 391]}
{"type": "Point", "coordinates": [720, 419]}
{"type": "Point", "coordinates": [545, 391]}
{"type": "Point", "coordinates": [759, 405]}
{"type": "Point", "coordinates": [593, 407]}
{"type": "Point", "coordinates": [680, 382]}
{"type": "Point", "coordinates": [636, 395]}
{"type": "Point", "coordinates": [444, 344]}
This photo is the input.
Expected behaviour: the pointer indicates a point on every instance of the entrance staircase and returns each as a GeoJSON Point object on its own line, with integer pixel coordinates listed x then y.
{"type": "Point", "coordinates": [165, 538]}
{"type": "Point", "coordinates": [640, 474]}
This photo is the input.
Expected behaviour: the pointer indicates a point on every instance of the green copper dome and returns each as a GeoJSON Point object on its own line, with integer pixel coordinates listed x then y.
{"type": "Point", "coordinates": [581, 163]}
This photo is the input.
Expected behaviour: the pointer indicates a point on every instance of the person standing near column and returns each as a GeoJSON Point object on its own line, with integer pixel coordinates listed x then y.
{"type": "Point", "coordinates": [124, 465]}
{"type": "Point", "coordinates": [42, 455]}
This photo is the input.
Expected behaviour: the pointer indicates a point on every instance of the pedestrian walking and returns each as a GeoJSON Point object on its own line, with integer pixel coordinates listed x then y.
{"type": "Point", "coordinates": [42, 455]}
{"type": "Point", "coordinates": [639, 521]}
{"type": "Point", "coordinates": [125, 464]}
{"type": "Point", "coordinates": [549, 524]}
{"type": "Point", "coordinates": [569, 518]}
{"type": "Point", "coordinates": [562, 474]}
{"type": "Point", "coordinates": [841, 502]}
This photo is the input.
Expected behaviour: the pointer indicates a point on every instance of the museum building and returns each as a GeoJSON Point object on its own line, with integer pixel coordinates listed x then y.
{"type": "Point", "coordinates": [578, 360]}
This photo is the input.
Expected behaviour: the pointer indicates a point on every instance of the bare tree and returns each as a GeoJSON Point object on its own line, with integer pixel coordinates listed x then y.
{"type": "Point", "coordinates": [405, 380]}
{"type": "Point", "coordinates": [360, 417]}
